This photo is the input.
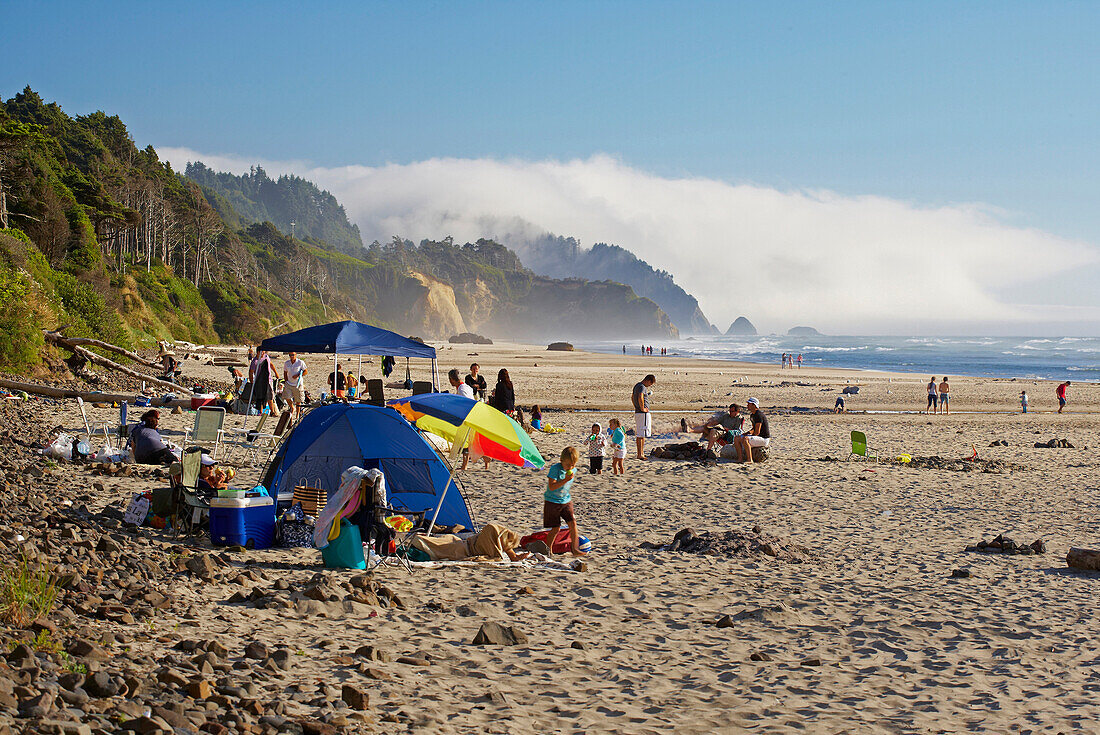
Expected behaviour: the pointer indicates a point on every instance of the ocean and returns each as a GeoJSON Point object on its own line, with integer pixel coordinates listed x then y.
{"type": "Point", "coordinates": [1055, 358]}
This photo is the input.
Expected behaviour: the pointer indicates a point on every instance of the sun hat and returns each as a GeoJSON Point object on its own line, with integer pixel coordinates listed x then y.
{"type": "Point", "coordinates": [753, 401]}
{"type": "Point", "coordinates": [208, 460]}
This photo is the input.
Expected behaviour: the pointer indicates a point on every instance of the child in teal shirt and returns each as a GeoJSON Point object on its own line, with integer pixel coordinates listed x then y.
{"type": "Point", "coordinates": [557, 505]}
{"type": "Point", "coordinates": [618, 446]}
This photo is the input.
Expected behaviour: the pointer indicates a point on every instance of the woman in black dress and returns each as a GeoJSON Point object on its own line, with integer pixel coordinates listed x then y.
{"type": "Point", "coordinates": [504, 396]}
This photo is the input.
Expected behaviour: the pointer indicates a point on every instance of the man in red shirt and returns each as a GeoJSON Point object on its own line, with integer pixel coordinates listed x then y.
{"type": "Point", "coordinates": [1061, 393]}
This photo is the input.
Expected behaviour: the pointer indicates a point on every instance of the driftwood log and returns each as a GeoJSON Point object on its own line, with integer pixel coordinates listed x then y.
{"type": "Point", "coordinates": [64, 341]}
{"type": "Point", "coordinates": [1087, 559]}
{"type": "Point", "coordinates": [89, 396]}
{"type": "Point", "coordinates": [76, 349]}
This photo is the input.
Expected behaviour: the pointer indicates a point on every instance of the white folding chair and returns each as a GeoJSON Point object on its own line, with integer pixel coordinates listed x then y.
{"type": "Point", "coordinates": [209, 421]}
{"type": "Point", "coordinates": [91, 427]}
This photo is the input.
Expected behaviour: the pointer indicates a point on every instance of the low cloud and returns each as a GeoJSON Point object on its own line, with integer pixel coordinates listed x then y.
{"type": "Point", "coordinates": [844, 264]}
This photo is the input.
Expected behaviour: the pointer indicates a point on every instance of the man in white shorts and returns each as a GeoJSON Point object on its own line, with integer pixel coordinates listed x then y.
{"type": "Point", "coordinates": [294, 373]}
{"type": "Point", "coordinates": [643, 424]}
{"type": "Point", "coordinates": [759, 436]}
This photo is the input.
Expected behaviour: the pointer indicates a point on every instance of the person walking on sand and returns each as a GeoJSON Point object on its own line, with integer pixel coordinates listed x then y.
{"type": "Point", "coordinates": [557, 501]}
{"type": "Point", "coordinates": [945, 396]}
{"type": "Point", "coordinates": [618, 446]}
{"type": "Point", "coordinates": [1023, 401]}
{"type": "Point", "coordinates": [799, 360]}
{"type": "Point", "coordinates": [932, 397]}
{"type": "Point", "coordinates": [643, 422]}
{"type": "Point", "coordinates": [1061, 393]}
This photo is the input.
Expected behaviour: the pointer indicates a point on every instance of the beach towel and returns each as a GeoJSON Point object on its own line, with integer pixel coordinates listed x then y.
{"type": "Point", "coordinates": [344, 504]}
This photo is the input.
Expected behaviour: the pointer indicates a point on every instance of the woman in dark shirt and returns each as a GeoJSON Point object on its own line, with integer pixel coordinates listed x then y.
{"type": "Point", "coordinates": [504, 396]}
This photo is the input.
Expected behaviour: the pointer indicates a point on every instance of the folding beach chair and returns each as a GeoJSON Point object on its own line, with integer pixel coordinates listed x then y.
{"type": "Point", "coordinates": [209, 423]}
{"type": "Point", "coordinates": [92, 427]}
{"type": "Point", "coordinates": [859, 447]}
{"type": "Point", "coordinates": [188, 506]}
{"type": "Point", "coordinates": [257, 442]}
{"type": "Point", "coordinates": [375, 393]}
{"type": "Point", "coordinates": [421, 387]}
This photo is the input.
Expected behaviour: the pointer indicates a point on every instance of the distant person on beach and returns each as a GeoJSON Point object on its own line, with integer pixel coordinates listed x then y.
{"type": "Point", "coordinates": [336, 382]}
{"type": "Point", "coordinates": [838, 407]}
{"type": "Point", "coordinates": [759, 435]}
{"type": "Point", "coordinates": [557, 501]}
{"type": "Point", "coordinates": [933, 397]}
{"type": "Point", "coordinates": [618, 446]}
{"type": "Point", "coordinates": [597, 447]}
{"type": "Point", "coordinates": [945, 396]}
{"type": "Point", "coordinates": [536, 417]}
{"type": "Point", "coordinates": [799, 360]}
{"type": "Point", "coordinates": [783, 360]}
{"type": "Point", "coordinates": [477, 381]}
{"type": "Point", "coordinates": [1061, 393]}
{"type": "Point", "coordinates": [643, 422]}
{"type": "Point", "coordinates": [1023, 401]}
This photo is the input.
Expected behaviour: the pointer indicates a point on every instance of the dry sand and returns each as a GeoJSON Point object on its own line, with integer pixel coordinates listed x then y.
{"type": "Point", "coordinates": [873, 634]}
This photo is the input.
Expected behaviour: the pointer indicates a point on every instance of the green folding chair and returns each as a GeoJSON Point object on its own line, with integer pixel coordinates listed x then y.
{"type": "Point", "coordinates": [859, 447]}
{"type": "Point", "coordinates": [208, 428]}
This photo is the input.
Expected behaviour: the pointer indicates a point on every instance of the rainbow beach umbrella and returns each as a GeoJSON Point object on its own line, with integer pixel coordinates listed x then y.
{"type": "Point", "coordinates": [468, 423]}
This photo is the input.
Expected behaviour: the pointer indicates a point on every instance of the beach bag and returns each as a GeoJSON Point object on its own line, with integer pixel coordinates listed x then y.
{"type": "Point", "coordinates": [562, 544]}
{"type": "Point", "coordinates": [294, 531]}
{"type": "Point", "coordinates": [138, 510]}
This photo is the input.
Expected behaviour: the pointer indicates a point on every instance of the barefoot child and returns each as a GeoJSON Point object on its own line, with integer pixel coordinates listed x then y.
{"type": "Point", "coordinates": [597, 445]}
{"type": "Point", "coordinates": [618, 446]}
{"type": "Point", "coordinates": [558, 503]}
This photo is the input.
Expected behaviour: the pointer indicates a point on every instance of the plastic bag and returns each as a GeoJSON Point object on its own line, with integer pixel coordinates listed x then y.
{"type": "Point", "coordinates": [61, 448]}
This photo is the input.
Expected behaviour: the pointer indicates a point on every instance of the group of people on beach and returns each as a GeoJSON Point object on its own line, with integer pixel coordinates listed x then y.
{"type": "Point", "coordinates": [788, 360]}
{"type": "Point", "coordinates": [647, 350]}
{"type": "Point", "coordinates": [939, 396]}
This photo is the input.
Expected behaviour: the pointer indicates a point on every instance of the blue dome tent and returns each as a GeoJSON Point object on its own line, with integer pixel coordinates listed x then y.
{"type": "Point", "coordinates": [332, 438]}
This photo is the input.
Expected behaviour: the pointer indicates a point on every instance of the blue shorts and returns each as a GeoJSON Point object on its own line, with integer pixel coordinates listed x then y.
{"type": "Point", "coordinates": [1061, 401]}
{"type": "Point", "coordinates": [944, 397]}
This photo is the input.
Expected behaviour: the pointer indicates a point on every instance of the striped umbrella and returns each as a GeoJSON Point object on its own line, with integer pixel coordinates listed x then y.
{"type": "Point", "coordinates": [469, 423]}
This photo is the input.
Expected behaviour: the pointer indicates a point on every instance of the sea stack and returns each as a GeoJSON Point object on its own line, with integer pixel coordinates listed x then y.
{"type": "Point", "coordinates": [742, 327]}
{"type": "Point", "coordinates": [803, 332]}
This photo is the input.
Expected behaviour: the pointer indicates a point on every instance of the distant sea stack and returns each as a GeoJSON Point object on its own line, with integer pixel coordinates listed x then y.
{"type": "Point", "coordinates": [742, 327]}
{"type": "Point", "coordinates": [803, 332]}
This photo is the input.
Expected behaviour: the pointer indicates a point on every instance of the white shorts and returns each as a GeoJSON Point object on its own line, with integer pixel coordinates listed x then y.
{"type": "Point", "coordinates": [756, 441]}
{"type": "Point", "coordinates": [619, 452]}
{"type": "Point", "coordinates": [643, 426]}
{"type": "Point", "coordinates": [292, 394]}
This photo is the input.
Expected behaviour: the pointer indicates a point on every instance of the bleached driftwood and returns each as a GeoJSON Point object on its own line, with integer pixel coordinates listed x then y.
{"type": "Point", "coordinates": [110, 364]}
{"type": "Point", "coordinates": [89, 396]}
{"type": "Point", "coordinates": [64, 341]}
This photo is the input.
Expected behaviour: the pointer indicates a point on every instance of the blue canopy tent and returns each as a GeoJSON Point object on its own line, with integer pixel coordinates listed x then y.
{"type": "Point", "coordinates": [332, 438]}
{"type": "Point", "coordinates": [351, 338]}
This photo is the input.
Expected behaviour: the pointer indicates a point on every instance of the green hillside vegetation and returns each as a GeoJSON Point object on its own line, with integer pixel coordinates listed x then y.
{"type": "Point", "coordinates": [103, 239]}
{"type": "Point", "coordinates": [255, 197]}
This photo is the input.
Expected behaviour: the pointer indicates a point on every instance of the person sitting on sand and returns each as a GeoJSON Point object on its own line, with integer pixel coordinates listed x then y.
{"type": "Point", "coordinates": [723, 428]}
{"type": "Point", "coordinates": [557, 505]}
{"type": "Point", "coordinates": [148, 445]}
{"type": "Point", "coordinates": [759, 436]}
{"type": "Point", "coordinates": [597, 446]}
{"type": "Point", "coordinates": [618, 446]}
{"type": "Point", "coordinates": [536, 417]}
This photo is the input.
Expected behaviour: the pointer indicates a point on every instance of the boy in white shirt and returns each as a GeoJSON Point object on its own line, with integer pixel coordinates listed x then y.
{"type": "Point", "coordinates": [294, 373]}
{"type": "Point", "coordinates": [597, 445]}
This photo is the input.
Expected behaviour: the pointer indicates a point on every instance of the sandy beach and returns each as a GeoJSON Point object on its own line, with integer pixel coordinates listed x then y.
{"type": "Point", "coordinates": [868, 632]}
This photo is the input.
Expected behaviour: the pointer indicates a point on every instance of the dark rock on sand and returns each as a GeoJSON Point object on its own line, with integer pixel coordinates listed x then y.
{"type": "Point", "coordinates": [498, 635]}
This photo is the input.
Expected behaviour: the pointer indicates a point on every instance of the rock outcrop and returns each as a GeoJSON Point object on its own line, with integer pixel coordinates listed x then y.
{"type": "Point", "coordinates": [803, 332]}
{"type": "Point", "coordinates": [741, 327]}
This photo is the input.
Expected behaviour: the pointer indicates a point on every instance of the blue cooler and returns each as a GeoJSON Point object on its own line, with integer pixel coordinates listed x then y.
{"type": "Point", "coordinates": [248, 522]}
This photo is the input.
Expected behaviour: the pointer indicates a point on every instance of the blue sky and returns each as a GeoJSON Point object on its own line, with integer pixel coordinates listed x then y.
{"type": "Point", "coordinates": [930, 103]}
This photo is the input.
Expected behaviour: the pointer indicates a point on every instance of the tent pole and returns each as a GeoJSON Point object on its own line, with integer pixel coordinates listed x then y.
{"type": "Point", "coordinates": [335, 362]}
{"type": "Point", "coordinates": [461, 437]}
{"type": "Point", "coordinates": [435, 380]}
{"type": "Point", "coordinates": [358, 378]}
